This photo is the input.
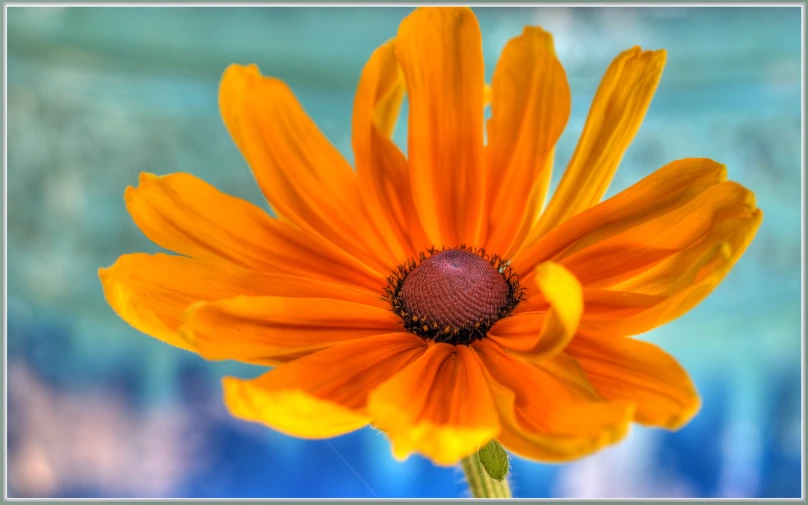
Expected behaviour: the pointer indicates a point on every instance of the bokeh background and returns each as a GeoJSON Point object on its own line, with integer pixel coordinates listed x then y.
{"type": "Point", "coordinates": [97, 95]}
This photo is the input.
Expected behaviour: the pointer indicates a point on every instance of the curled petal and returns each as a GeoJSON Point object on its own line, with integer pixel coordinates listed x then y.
{"type": "Point", "coordinates": [539, 335]}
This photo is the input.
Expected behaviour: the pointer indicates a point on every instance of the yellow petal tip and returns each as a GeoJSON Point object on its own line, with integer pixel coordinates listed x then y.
{"type": "Point", "coordinates": [290, 411]}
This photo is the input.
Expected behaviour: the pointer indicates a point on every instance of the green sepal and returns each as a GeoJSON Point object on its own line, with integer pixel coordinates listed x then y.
{"type": "Point", "coordinates": [494, 459]}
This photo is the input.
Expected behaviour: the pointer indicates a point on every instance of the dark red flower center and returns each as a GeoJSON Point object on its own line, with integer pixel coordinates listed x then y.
{"type": "Point", "coordinates": [455, 288]}
{"type": "Point", "coordinates": [453, 295]}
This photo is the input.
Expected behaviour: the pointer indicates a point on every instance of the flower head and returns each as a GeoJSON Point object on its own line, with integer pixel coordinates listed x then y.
{"type": "Point", "coordinates": [429, 294]}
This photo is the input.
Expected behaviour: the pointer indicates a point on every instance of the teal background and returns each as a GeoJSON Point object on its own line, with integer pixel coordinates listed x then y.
{"type": "Point", "coordinates": [97, 95]}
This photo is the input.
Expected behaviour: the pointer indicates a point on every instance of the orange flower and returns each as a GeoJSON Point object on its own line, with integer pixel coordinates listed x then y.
{"type": "Point", "coordinates": [428, 295]}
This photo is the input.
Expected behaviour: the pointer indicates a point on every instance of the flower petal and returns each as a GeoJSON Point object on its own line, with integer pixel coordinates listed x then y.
{"type": "Point", "coordinates": [439, 406]}
{"type": "Point", "coordinates": [614, 259]}
{"type": "Point", "coordinates": [673, 287]}
{"type": "Point", "coordinates": [191, 217]}
{"type": "Point", "coordinates": [550, 413]}
{"type": "Point", "coordinates": [643, 259]}
{"type": "Point", "coordinates": [152, 292]}
{"type": "Point", "coordinates": [304, 177]}
{"type": "Point", "coordinates": [530, 107]}
{"type": "Point", "coordinates": [613, 319]}
{"type": "Point", "coordinates": [538, 335]}
{"type": "Point", "coordinates": [258, 329]}
{"type": "Point", "coordinates": [292, 411]}
{"type": "Point", "coordinates": [440, 52]}
{"type": "Point", "coordinates": [382, 169]}
{"type": "Point", "coordinates": [628, 369]}
{"type": "Point", "coordinates": [607, 304]}
{"type": "Point", "coordinates": [323, 394]}
{"type": "Point", "coordinates": [668, 189]}
{"type": "Point", "coordinates": [617, 111]}
{"type": "Point", "coordinates": [667, 277]}
{"type": "Point", "coordinates": [379, 94]}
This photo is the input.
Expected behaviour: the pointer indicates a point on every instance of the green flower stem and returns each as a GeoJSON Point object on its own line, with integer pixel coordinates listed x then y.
{"type": "Point", "coordinates": [480, 483]}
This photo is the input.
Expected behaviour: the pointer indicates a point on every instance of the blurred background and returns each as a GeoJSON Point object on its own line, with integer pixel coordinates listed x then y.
{"type": "Point", "coordinates": [97, 95]}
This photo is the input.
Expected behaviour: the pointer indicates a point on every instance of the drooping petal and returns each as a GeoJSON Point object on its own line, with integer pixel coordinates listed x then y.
{"type": "Point", "coordinates": [382, 169]}
{"type": "Point", "coordinates": [667, 190]}
{"type": "Point", "coordinates": [667, 277]}
{"type": "Point", "coordinates": [304, 177]}
{"type": "Point", "coordinates": [612, 318]}
{"type": "Point", "coordinates": [628, 369]}
{"type": "Point", "coordinates": [439, 406]}
{"type": "Point", "coordinates": [440, 53]}
{"type": "Point", "coordinates": [617, 258]}
{"type": "Point", "coordinates": [550, 413]}
{"type": "Point", "coordinates": [152, 292]}
{"type": "Point", "coordinates": [617, 111]}
{"type": "Point", "coordinates": [323, 394]}
{"type": "Point", "coordinates": [644, 260]}
{"type": "Point", "coordinates": [268, 329]}
{"type": "Point", "coordinates": [541, 334]}
{"type": "Point", "coordinates": [184, 214]}
{"type": "Point", "coordinates": [619, 312]}
{"type": "Point", "coordinates": [530, 107]}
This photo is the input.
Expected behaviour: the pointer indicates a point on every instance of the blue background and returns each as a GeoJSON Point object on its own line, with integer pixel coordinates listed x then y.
{"type": "Point", "coordinates": [97, 95]}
